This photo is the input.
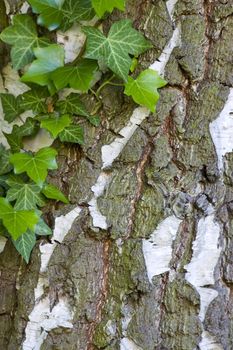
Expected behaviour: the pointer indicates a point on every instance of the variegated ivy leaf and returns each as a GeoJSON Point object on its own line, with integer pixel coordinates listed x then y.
{"type": "Point", "coordinates": [25, 243]}
{"type": "Point", "coordinates": [12, 107]}
{"type": "Point", "coordinates": [35, 166]}
{"type": "Point", "coordinates": [5, 166]}
{"type": "Point", "coordinates": [17, 222]}
{"type": "Point", "coordinates": [22, 35]}
{"type": "Point", "coordinates": [102, 6]}
{"type": "Point", "coordinates": [144, 89]}
{"type": "Point", "coordinates": [42, 229]}
{"type": "Point", "coordinates": [73, 105]}
{"type": "Point", "coordinates": [14, 139]}
{"type": "Point", "coordinates": [73, 134]}
{"type": "Point", "coordinates": [115, 49]}
{"type": "Point", "coordinates": [27, 196]}
{"type": "Point", "coordinates": [35, 100]}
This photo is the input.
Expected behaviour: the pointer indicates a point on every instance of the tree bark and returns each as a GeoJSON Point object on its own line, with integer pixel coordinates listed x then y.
{"type": "Point", "coordinates": [142, 257]}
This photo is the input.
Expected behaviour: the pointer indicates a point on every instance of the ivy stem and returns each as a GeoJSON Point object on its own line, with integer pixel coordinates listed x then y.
{"type": "Point", "coordinates": [107, 82]}
{"type": "Point", "coordinates": [95, 94]}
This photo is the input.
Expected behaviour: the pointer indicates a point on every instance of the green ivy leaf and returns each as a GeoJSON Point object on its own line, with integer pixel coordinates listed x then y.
{"type": "Point", "coordinates": [52, 192]}
{"type": "Point", "coordinates": [3, 230]}
{"type": "Point", "coordinates": [22, 35]}
{"type": "Point", "coordinates": [42, 229]}
{"type": "Point", "coordinates": [11, 106]}
{"type": "Point", "coordinates": [102, 6]}
{"type": "Point", "coordinates": [35, 166]}
{"type": "Point", "coordinates": [55, 123]}
{"type": "Point", "coordinates": [50, 12]}
{"type": "Point", "coordinates": [27, 196]}
{"type": "Point", "coordinates": [5, 166]}
{"type": "Point", "coordinates": [73, 134]}
{"type": "Point", "coordinates": [48, 59]}
{"type": "Point", "coordinates": [114, 50]}
{"type": "Point", "coordinates": [25, 243]}
{"type": "Point", "coordinates": [78, 77]}
{"type": "Point", "coordinates": [17, 222]}
{"type": "Point", "coordinates": [144, 89]}
{"type": "Point", "coordinates": [35, 100]}
{"type": "Point", "coordinates": [54, 13]}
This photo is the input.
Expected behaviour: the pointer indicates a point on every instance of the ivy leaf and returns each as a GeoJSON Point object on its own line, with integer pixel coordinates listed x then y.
{"type": "Point", "coordinates": [55, 124]}
{"type": "Point", "coordinates": [73, 134]}
{"type": "Point", "coordinates": [52, 192]}
{"type": "Point", "coordinates": [53, 13]}
{"type": "Point", "coordinates": [50, 12]}
{"type": "Point", "coordinates": [14, 140]}
{"type": "Point", "coordinates": [77, 77]}
{"type": "Point", "coordinates": [75, 11]}
{"type": "Point", "coordinates": [25, 243]}
{"type": "Point", "coordinates": [29, 128]}
{"type": "Point", "coordinates": [48, 59]}
{"type": "Point", "coordinates": [34, 100]}
{"type": "Point", "coordinates": [17, 222]}
{"type": "Point", "coordinates": [73, 105]}
{"type": "Point", "coordinates": [35, 166]}
{"type": "Point", "coordinates": [42, 229]}
{"type": "Point", "coordinates": [11, 106]}
{"type": "Point", "coordinates": [13, 180]}
{"type": "Point", "coordinates": [144, 89]}
{"type": "Point", "coordinates": [102, 6]}
{"type": "Point", "coordinates": [5, 166]}
{"type": "Point", "coordinates": [27, 196]}
{"type": "Point", "coordinates": [22, 35]}
{"type": "Point", "coordinates": [114, 50]}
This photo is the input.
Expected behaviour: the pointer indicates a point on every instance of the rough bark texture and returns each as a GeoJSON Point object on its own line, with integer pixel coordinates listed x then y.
{"type": "Point", "coordinates": [167, 175]}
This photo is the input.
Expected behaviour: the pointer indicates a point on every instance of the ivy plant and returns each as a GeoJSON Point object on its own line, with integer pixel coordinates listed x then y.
{"type": "Point", "coordinates": [24, 187]}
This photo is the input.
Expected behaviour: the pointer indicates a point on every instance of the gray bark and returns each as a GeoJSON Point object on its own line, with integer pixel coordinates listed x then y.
{"type": "Point", "coordinates": [168, 175]}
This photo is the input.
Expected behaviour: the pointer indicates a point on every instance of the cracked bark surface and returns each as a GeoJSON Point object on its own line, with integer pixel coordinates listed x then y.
{"type": "Point", "coordinates": [168, 168]}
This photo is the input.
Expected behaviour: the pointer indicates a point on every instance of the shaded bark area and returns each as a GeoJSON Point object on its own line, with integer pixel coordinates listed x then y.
{"type": "Point", "coordinates": [168, 168]}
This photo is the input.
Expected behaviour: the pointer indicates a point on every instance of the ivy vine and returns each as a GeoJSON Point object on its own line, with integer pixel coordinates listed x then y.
{"type": "Point", "coordinates": [40, 62]}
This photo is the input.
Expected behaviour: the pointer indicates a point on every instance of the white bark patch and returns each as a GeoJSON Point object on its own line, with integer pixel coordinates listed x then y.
{"type": "Point", "coordinates": [200, 271]}
{"type": "Point", "coordinates": [112, 151]}
{"type": "Point", "coordinates": [157, 250]}
{"type": "Point", "coordinates": [163, 59]}
{"type": "Point", "coordinates": [171, 7]}
{"type": "Point", "coordinates": [209, 342]}
{"type": "Point", "coordinates": [42, 319]}
{"type": "Point", "coordinates": [72, 41]}
{"type": "Point", "coordinates": [127, 344]}
{"type": "Point", "coordinates": [3, 241]}
{"type": "Point", "coordinates": [99, 220]}
{"type": "Point", "coordinates": [221, 130]}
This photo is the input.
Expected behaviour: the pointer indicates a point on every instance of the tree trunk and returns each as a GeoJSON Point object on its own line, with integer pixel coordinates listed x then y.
{"type": "Point", "coordinates": [142, 257]}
